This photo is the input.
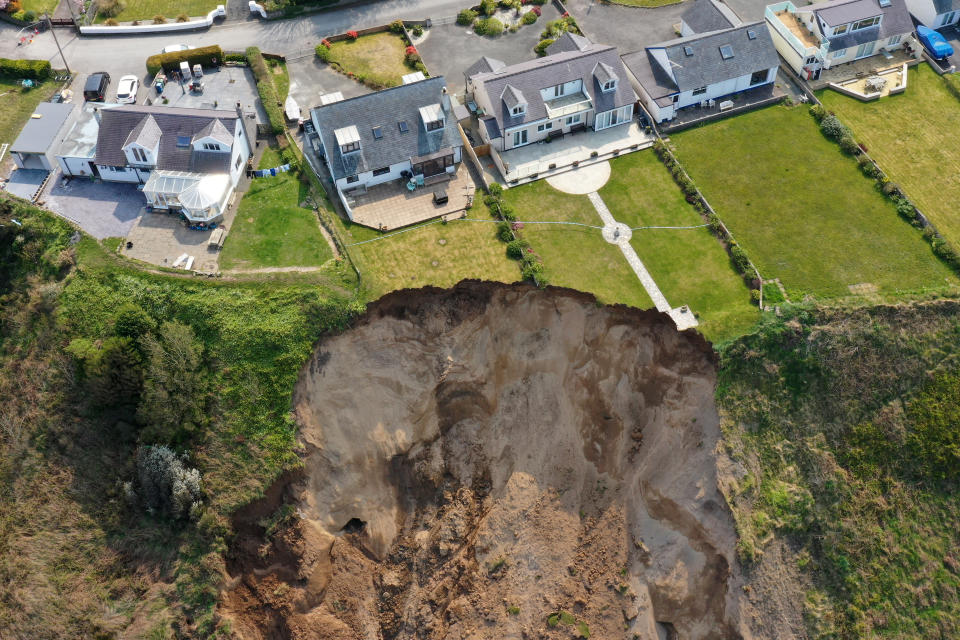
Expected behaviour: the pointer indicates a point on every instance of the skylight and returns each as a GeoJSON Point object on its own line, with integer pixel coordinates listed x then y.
{"type": "Point", "coordinates": [752, 35]}
{"type": "Point", "coordinates": [377, 133]}
{"type": "Point", "coordinates": [726, 52]}
{"type": "Point", "coordinates": [183, 141]}
{"type": "Point", "coordinates": [403, 126]}
{"type": "Point", "coordinates": [884, 3]}
{"type": "Point", "coordinates": [688, 51]}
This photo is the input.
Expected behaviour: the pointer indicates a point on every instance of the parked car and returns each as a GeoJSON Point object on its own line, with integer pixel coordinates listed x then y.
{"type": "Point", "coordinates": [95, 89]}
{"type": "Point", "coordinates": [935, 44]}
{"type": "Point", "coordinates": [170, 48]}
{"type": "Point", "coordinates": [127, 89]}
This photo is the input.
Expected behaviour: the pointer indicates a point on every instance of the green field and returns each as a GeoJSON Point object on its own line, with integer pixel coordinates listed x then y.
{"type": "Point", "coordinates": [690, 266]}
{"type": "Point", "coordinates": [376, 59]}
{"type": "Point", "coordinates": [575, 257]}
{"type": "Point", "coordinates": [270, 229]}
{"type": "Point", "coordinates": [802, 210]}
{"type": "Point", "coordinates": [39, 7]}
{"type": "Point", "coordinates": [433, 254]}
{"type": "Point", "coordinates": [146, 9]}
{"type": "Point", "coordinates": [905, 134]}
{"type": "Point", "coordinates": [16, 105]}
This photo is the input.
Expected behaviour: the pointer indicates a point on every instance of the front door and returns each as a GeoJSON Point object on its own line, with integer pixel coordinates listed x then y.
{"type": "Point", "coordinates": [866, 49]}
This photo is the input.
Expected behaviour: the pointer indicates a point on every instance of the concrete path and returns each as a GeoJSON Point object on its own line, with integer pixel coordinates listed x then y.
{"type": "Point", "coordinates": [619, 234]}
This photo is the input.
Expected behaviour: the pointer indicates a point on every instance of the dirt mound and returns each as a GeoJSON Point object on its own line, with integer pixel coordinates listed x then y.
{"type": "Point", "coordinates": [497, 461]}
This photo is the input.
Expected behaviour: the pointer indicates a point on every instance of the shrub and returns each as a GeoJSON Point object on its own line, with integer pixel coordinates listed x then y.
{"type": "Point", "coordinates": [905, 209]}
{"type": "Point", "coordinates": [533, 270]}
{"type": "Point", "coordinates": [111, 8]}
{"type": "Point", "coordinates": [488, 7]}
{"type": "Point", "coordinates": [504, 232]}
{"type": "Point", "coordinates": [159, 19]}
{"type": "Point", "coordinates": [417, 31]}
{"type": "Point", "coordinates": [13, 6]}
{"type": "Point", "coordinates": [132, 322]}
{"type": "Point", "coordinates": [111, 369]}
{"type": "Point", "coordinates": [111, 22]}
{"type": "Point", "coordinates": [31, 69]}
{"type": "Point", "coordinates": [183, 18]}
{"type": "Point", "coordinates": [833, 128]}
{"type": "Point", "coordinates": [536, 11]}
{"type": "Point", "coordinates": [396, 26]}
{"type": "Point", "coordinates": [818, 112]}
{"type": "Point", "coordinates": [171, 61]}
{"type": "Point", "coordinates": [266, 88]}
{"type": "Point", "coordinates": [411, 49]}
{"type": "Point", "coordinates": [165, 485]}
{"type": "Point", "coordinates": [353, 35]}
{"type": "Point", "coordinates": [515, 249]}
{"type": "Point", "coordinates": [466, 17]}
{"type": "Point", "coordinates": [323, 52]}
{"type": "Point", "coordinates": [849, 146]}
{"type": "Point", "coordinates": [529, 17]}
{"type": "Point", "coordinates": [890, 189]}
{"type": "Point", "coordinates": [488, 27]}
{"type": "Point", "coordinates": [496, 190]}
{"type": "Point", "coordinates": [411, 57]}
{"type": "Point", "coordinates": [541, 48]}
{"type": "Point", "coordinates": [740, 259]}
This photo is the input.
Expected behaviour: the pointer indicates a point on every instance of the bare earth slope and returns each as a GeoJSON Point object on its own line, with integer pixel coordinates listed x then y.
{"type": "Point", "coordinates": [481, 458]}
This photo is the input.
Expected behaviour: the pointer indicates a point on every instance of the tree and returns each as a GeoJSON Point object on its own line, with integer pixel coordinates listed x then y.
{"type": "Point", "coordinates": [166, 486]}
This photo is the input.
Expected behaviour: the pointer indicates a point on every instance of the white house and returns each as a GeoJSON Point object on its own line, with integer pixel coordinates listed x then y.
{"type": "Point", "coordinates": [935, 14]}
{"type": "Point", "coordinates": [36, 146]}
{"type": "Point", "coordinates": [169, 150]}
{"type": "Point", "coordinates": [579, 85]}
{"type": "Point", "coordinates": [703, 67]}
{"type": "Point", "coordinates": [820, 36]}
{"type": "Point", "coordinates": [375, 138]}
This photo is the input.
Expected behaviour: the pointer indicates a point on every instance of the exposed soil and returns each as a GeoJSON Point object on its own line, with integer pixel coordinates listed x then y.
{"type": "Point", "coordinates": [481, 458]}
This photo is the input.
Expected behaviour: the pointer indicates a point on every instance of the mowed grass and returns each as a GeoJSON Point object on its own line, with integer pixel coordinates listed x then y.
{"type": "Point", "coordinates": [376, 58]}
{"type": "Point", "coordinates": [39, 7]}
{"type": "Point", "coordinates": [689, 265]}
{"type": "Point", "coordinates": [16, 105]}
{"type": "Point", "coordinates": [910, 138]}
{"type": "Point", "coordinates": [802, 210]}
{"type": "Point", "coordinates": [146, 9]}
{"type": "Point", "coordinates": [271, 229]}
{"type": "Point", "coordinates": [431, 254]}
{"type": "Point", "coordinates": [575, 257]}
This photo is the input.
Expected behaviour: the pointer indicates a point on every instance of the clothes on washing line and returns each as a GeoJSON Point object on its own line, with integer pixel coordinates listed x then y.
{"type": "Point", "coordinates": [266, 173]}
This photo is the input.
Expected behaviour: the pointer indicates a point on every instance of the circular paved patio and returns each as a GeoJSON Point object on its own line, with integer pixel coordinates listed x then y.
{"type": "Point", "coordinates": [582, 180]}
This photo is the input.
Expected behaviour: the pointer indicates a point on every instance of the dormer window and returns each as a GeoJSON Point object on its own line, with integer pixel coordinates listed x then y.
{"type": "Point", "coordinates": [211, 146]}
{"type": "Point", "coordinates": [348, 139]}
{"type": "Point", "coordinates": [139, 154]}
{"type": "Point", "coordinates": [350, 147]}
{"type": "Point", "coordinates": [514, 101]}
{"type": "Point", "coordinates": [432, 117]}
{"type": "Point", "coordinates": [518, 110]}
{"type": "Point", "coordinates": [609, 85]}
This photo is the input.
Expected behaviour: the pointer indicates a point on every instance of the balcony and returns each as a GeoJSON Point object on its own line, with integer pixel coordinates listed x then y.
{"type": "Point", "coordinates": [782, 17]}
{"type": "Point", "coordinates": [567, 105]}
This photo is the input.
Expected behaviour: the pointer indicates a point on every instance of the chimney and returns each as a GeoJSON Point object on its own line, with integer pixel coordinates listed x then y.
{"type": "Point", "coordinates": [445, 100]}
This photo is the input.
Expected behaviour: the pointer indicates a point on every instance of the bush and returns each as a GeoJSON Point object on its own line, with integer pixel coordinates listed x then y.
{"type": "Point", "coordinates": [536, 11]}
{"type": "Point", "coordinates": [740, 259]}
{"type": "Point", "coordinates": [504, 232]}
{"type": "Point", "coordinates": [818, 112]}
{"type": "Point", "coordinates": [203, 56]}
{"type": "Point", "coordinates": [111, 369]}
{"type": "Point", "coordinates": [541, 48]}
{"type": "Point", "coordinates": [849, 146]}
{"type": "Point", "coordinates": [235, 57]}
{"type": "Point", "coordinates": [353, 35]}
{"type": "Point", "coordinates": [905, 209]}
{"type": "Point", "coordinates": [111, 8]}
{"type": "Point", "coordinates": [488, 7]}
{"type": "Point", "coordinates": [267, 89]}
{"type": "Point", "coordinates": [323, 53]}
{"type": "Point", "coordinates": [13, 6]}
{"type": "Point", "coordinates": [159, 19]}
{"type": "Point", "coordinates": [183, 18]}
{"type": "Point", "coordinates": [165, 485]}
{"type": "Point", "coordinates": [111, 22]}
{"type": "Point", "coordinates": [890, 189]}
{"type": "Point", "coordinates": [417, 31]}
{"type": "Point", "coordinates": [516, 248]}
{"type": "Point", "coordinates": [466, 17]}
{"type": "Point", "coordinates": [533, 270]}
{"type": "Point", "coordinates": [529, 18]}
{"type": "Point", "coordinates": [488, 27]}
{"type": "Point", "coordinates": [31, 69]}
{"type": "Point", "coordinates": [132, 322]}
{"type": "Point", "coordinates": [833, 128]}
{"type": "Point", "coordinates": [396, 26]}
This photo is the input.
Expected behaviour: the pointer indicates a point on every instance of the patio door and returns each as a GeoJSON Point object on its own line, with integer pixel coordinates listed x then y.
{"type": "Point", "coordinates": [866, 49]}
{"type": "Point", "coordinates": [519, 137]}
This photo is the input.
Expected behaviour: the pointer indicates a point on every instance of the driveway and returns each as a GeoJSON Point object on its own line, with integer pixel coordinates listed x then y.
{"type": "Point", "coordinates": [449, 49]}
{"type": "Point", "coordinates": [748, 10]}
{"type": "Point", "coordinates": [102, 209]}
{"type": "Point", "coordinates": [222, 89]}
{"type": "Point", "coordinates": [627, 28]}
{"type": "Point", "coordinates": [310, 78]}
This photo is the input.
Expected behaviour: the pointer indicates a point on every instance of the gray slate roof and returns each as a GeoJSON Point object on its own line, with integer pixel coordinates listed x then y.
{"type": "Point", "coordinates": [837, 13]}
{"type": "Point", "coordinates": [512, 96]}
{"type": "Point", "coordinates": [569, 42]}
{"type": "Point", "coordinates": [896, 20]}
{"type": "Point", "coordinates": [385, 109]}
{"type": "Point", "coordinates": [704, 16]}
{"type": "Point", "coordinates": [484, 65]}
{"type": "Point", "coordinates": [39, 133]}
{"type": "Point", "coordinates": [146, 134]}
{"type": "Point", "coordinates": [578, 59]}
{"type": "Point", "coordinates": [215, 130]}
{"type": "Point", "coordinates": [117, 124]}
{"type": "Point", "coordinates": [946, 6]}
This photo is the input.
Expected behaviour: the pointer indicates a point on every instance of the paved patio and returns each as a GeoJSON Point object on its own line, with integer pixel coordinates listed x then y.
{"type": "Point", "coordinates": [223, 88]}
{"type": "Point", "coordinates": [102, 209]}
{"type": "Point", "coordinates": [864, 67]}
{"type": "Point", "coordinates": [391, 205]}
{"type": "Point", "coordinates": [534, 161]}
{"type": "Point", "coordinates": [743, 101]}
{"type": "Point", "coordinates": [25, 183]}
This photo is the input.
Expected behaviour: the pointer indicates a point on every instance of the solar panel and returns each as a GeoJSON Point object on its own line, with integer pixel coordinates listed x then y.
{"type": "Point", "coordinates": [688, 51]}
{"type": "Point", "coordinates": [403, 126]}
{"type": "Point", "coordinates": [726, 52]}
{"type": "Point", "coordinates": [377, 133]}
{"type": "Point", "coordinates": [751, 34]}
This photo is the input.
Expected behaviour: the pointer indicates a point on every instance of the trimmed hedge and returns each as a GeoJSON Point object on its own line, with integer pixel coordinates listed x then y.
{"type": "Point", "coordinates": [267, 89]}
{"type": "Point", "coordinates": [30, 69]}
{"type": "Point", "coordinates": [171, 61]}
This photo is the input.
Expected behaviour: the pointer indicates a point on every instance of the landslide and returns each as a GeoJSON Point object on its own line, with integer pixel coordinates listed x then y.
{"type": "Point", "coordinates": [496, 461]}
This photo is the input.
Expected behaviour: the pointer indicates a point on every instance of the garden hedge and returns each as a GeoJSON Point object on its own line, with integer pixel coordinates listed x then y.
{"type": "Point", "coordinates": [171, 61]}
{"type": "Point", "coordinates": [267, 89]}
{"type": "Point", "coordinates": [31, 69]}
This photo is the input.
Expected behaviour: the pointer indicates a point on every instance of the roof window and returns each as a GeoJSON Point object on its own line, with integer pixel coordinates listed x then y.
{"type": "Point", "coordinates": [726, 52]}
{"type": "Point", "coordinates": [752, 35]}
{"type": "Point", "coordinates": [377, 133]}
{"type": "Point", "coordinates": [183, 141]}
{"type": "Point", "coordinates": [402, 125]}
{"type": "Point", "coordinates": [688, 51]}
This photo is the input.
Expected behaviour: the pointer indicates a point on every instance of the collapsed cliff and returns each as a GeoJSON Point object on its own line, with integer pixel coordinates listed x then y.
{"type": "Point", "coordinates": [496, 461]}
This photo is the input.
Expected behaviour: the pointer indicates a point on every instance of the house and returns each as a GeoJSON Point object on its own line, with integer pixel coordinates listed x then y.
{"type": "Point", "coordinates": [701, 68]}
{"type": "Point", "coordinates": [404, 131]}
{"type": "Point", "coordinates": [36, 146]}
{"type": "Point", "coordinates": [577, 86]}
{"type": "Point", "coordinates": [189, 160]}
{"type": "Point", "coordinates": [935, 14]}
{"type": "Point", "coordinates": [820, 36]}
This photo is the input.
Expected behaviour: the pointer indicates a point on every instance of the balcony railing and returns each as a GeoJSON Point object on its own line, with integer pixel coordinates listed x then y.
{"type": "Point", "coordinates": [770, 13]}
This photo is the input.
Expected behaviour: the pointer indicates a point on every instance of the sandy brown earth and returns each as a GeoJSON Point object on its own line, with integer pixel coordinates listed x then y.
{"type": "Point", "coordinates": [480, 459]}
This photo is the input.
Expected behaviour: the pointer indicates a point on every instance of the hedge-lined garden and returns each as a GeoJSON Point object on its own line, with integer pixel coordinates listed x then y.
{"type": "Point", "coordinates": [210, 56]}
{"type": "Point", "coordinates": [377, 60]}
{"type": "Point", "coordinates": [267, 89]}
{"type": "Point", "coordinates": [29, 69]}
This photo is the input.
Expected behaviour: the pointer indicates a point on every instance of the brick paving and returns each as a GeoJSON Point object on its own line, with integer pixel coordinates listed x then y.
{"type": "Point", "coordinates": [391, 205]}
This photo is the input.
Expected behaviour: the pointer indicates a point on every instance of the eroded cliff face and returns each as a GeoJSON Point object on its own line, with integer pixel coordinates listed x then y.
{"type": "Point", "coordinates": [481, 458]}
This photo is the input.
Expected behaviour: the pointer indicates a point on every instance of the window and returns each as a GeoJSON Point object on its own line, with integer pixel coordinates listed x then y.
{"type": "Point", "coordinates": [377, 134]}
{"type": "Point", "coordinates": [183, 141]}
{"type": "Point", "coordinates": [839, 54]}
{"type": "Point", "coordinates": [546, 126]}
{"type": "Point", "coordinates": [700, 91]}
{"type": "Point", "coordinates": [211, 146]}
{"type": "Point", "coordinates": [518, 110]}
{"type": "Point", "coordinates": [381, 171]}
{"type": "Point", "coordinates": [676, 98]}
{"type": "Point", "coordinates": [841, 29]}
{"type": "Point", "coordinates": [353, 178]}
{"type": "Point", "coordinates": [436, 124]}
{"type": "Point", "coordinates": [237, 163]}
{"type": "Point", "coordinates": [811, 60]}
{"type": "Point", "coordinates": [726, 52]}
{"type": "Point", "coordinates": [863, 24]}
{"type": "Point", "coordinates": [949, 18]}
{"type": "Point", "coordinates": [574, 119]}
{"type": "Point", "coordinates": [688, 51]}
{"type": "Point", "coordinates": [894, 39]}
{"type": "Point", "coordinates": [558, 91]}
{"type": "Point", "coordinates": [519, 137]}
{"type": "Point", "coordinates": [610, 85]}
{"type": "Point", "coordinates": [751, 34]}
{"type": "Point", "coordinates": [402, 125]}
{"type": "Point", "coordinates": [349, 147]}
{"type": "Point", "coordinates": [758, 77]}
{"type": "Point", "coordinates": [139, 155]}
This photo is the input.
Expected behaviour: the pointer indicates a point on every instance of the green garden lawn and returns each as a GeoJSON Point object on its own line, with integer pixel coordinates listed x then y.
{"type": "Point", "coordinates": [690, 266]}
{"type": "Point", "coordinates": [575, 257]}
{"type": "Point", "coordinates": [377, 58]}
{"type": "Point", "coordinates": [271, 229]}
{"type": "Point", "coordinates": [16, 105]}
{"type": "Point", "coordinates": [912, 138]}
{"type": "Point", "coordinates": [433, 254]}
{"type": "Point", "coordinates": [145, 10]}
{"type": "Point", "coordinates": [802, 210]}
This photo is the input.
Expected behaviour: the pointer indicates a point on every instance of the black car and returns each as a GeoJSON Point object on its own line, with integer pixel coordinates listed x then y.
{"type": "Point", "coordinates": [95, 90]}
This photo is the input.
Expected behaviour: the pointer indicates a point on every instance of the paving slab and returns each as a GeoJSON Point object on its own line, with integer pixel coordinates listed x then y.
{"type": "Point", "coordinates": [582, 180]}
{"type": "Point", "coordinates": [102, 209]}
{"type": "Point", "coordinates": [627, 28]}
{"type": "Point", "coordinates": [24, 183]}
